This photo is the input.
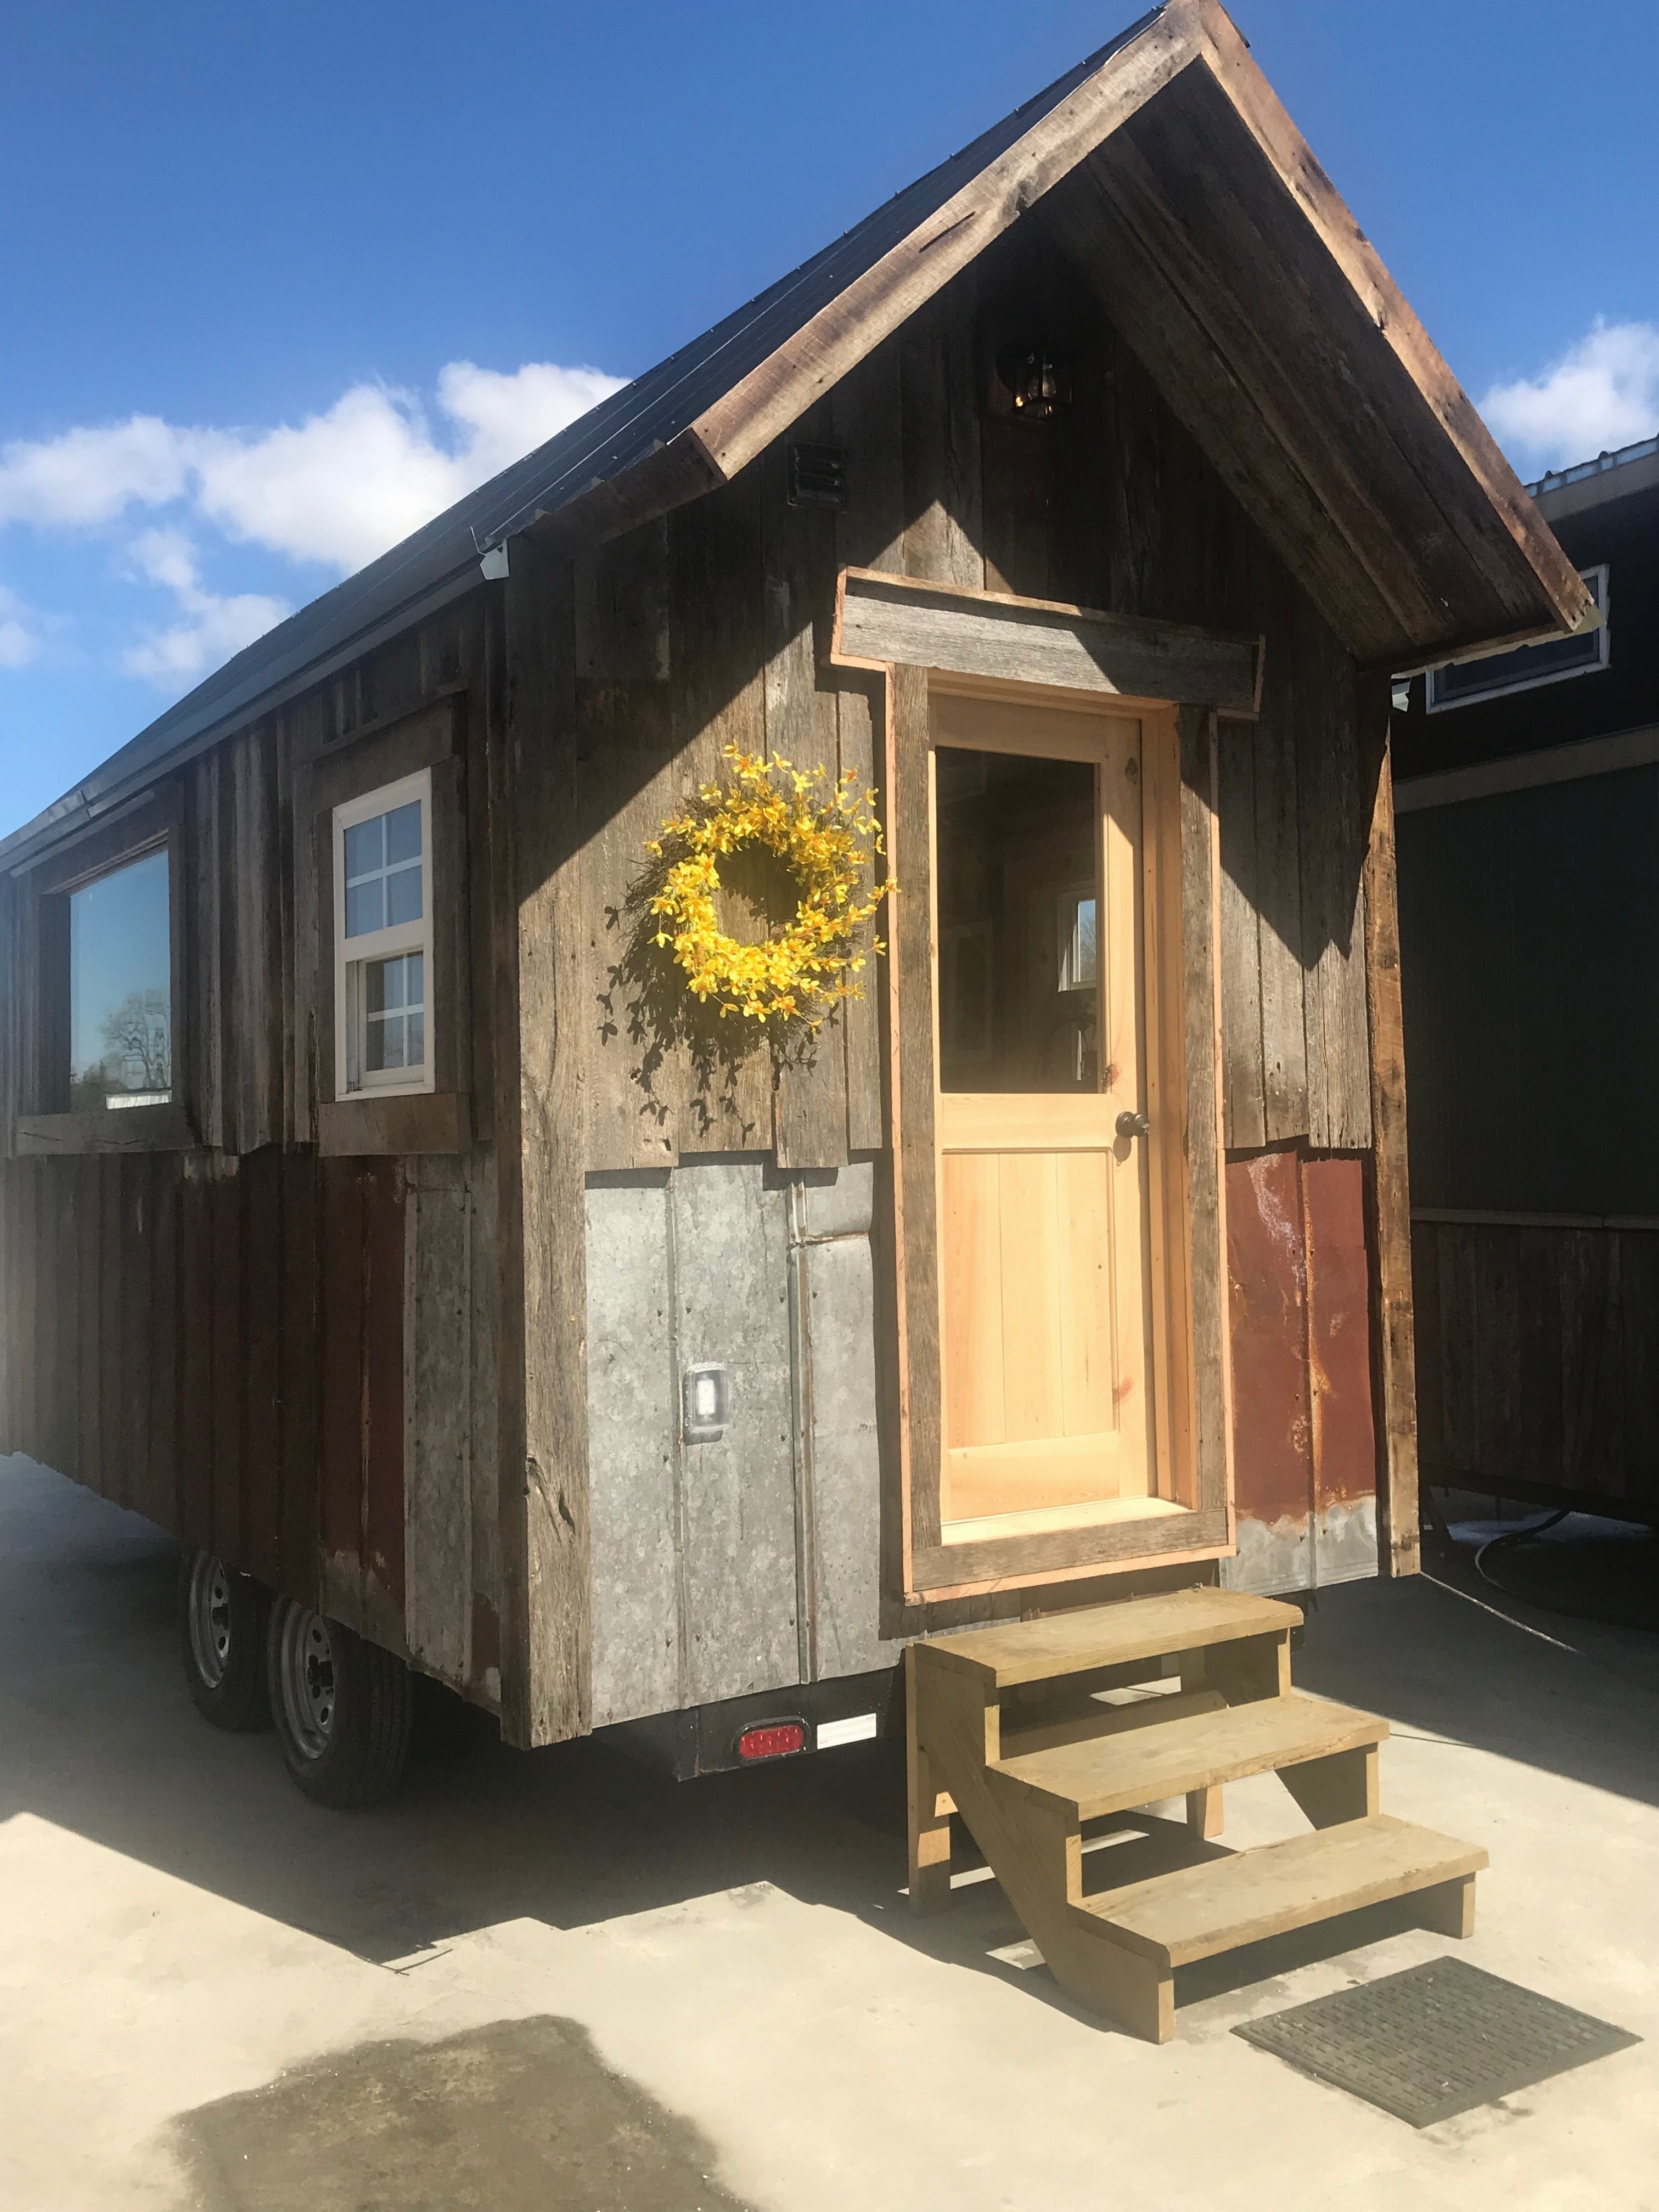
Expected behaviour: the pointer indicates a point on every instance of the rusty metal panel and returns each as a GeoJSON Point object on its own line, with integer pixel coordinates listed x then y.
{"type": "Point", "coordinates": [1339, 1279]}
{"type": "Point", "coordinates": [1304, 1445]}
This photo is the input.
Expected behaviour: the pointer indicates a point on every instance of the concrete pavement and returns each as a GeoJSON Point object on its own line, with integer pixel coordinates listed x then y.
{"type": "Point", "coordinates": [553, 1979]}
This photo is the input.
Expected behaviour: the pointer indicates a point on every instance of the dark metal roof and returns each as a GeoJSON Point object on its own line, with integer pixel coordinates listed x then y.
{"type": "Point", "coordinates": [439, 561]}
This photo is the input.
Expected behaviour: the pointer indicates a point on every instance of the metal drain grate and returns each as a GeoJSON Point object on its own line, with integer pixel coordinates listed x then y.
{"type": "Point", "coordinates": [1435, 2041]}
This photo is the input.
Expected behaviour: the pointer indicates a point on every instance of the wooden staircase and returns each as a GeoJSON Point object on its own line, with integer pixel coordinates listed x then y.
{"type": "Point", "coordinates": [1007, 1727]}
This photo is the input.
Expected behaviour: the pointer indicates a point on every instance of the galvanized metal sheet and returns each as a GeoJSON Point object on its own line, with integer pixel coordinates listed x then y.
{"type": "Point", "coordinates": [731, 1306]}
{"type": "Point", "coordinates": [632, 1447]}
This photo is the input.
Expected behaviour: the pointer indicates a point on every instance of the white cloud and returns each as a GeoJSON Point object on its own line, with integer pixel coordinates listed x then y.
{"type": "Point", "coordinates": [20, 634]}
{"type": "Point", "coordinates": [338, 488]}
{"type": "Point", "coordinates": [214, 628]}
{"type": "Point", "coordinates": [90, 475]}
{"type": "Point", "coordinates": [1602, 393]}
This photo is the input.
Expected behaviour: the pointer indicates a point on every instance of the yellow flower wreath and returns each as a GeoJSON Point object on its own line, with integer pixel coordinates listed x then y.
{"type": "Point", "coordinates": [826, 836]}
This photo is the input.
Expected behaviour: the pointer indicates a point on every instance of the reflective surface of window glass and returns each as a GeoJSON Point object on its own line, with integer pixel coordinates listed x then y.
{"type": "Point", "coordinates": [383, 871]}
{"type": "Point", "coordinates": [1017, 887]}
{"type": "Point", "coordinates": [121, 987]}
{"type": "Point", "coordinates": [394, 1013]}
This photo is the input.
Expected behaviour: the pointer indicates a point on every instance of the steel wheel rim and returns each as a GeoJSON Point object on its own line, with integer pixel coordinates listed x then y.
{"type": "Point", "coordinates": [209, 1618]}
{"type": "Point", "coordinates": [306, 1674]}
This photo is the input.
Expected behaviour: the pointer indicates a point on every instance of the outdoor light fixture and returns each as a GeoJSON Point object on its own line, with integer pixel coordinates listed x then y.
{"type": "Point", "coordinates": [705, 1403]}
{"type": "Point", "coordinates": [1039, 381]}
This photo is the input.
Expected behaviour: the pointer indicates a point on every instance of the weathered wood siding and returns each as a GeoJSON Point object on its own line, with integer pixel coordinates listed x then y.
{"type": "Point", "coordinates": [286, 1358]}
{"type": "Point", "coordinates": [710, 628]}
{"type": "Point", "coordinates": [178, 1336]}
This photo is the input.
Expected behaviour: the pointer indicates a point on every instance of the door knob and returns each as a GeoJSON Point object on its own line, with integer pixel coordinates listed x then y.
{"type": "Point", "coordinates": [1134, 1125]}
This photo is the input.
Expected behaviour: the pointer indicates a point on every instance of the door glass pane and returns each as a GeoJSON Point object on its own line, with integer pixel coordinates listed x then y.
{"type": "Point", "coordinates": [121, 987]}
{"type": "Point", "coordinates": [1018, 892]}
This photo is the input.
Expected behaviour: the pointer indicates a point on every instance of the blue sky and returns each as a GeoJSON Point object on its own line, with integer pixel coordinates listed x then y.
{"type": "Point", "coordinates": [282, 276]}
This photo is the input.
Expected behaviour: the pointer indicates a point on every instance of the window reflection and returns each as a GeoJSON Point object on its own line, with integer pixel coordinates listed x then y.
{"type": "Point", "coordinates": [121, 988]}
{"type": "Point", "coordinates": [1017, 887]}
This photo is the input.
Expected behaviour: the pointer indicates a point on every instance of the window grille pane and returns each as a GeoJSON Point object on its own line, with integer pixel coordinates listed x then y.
{"type": "Point", "coordinates": [364, 848]}
{"type": "Point", "coordinates": [403, 894]}
{"type": "Point", "coordinates": [403, 833]}
{"type": "Point", "coordinates": [416, 1031]}
{"type": "Point", "coordinates": [121, 986]}
{"type": "Point", "coordinates": [1077, 962]}
{"type": "Point", "coordinates": [386, 1041]}
{"type": "Point", "coordinates": [385, 979]}
{"type": "Point", "coordinates": [414, 979]}
{"type": "Point", "coordinates": [364, 907]}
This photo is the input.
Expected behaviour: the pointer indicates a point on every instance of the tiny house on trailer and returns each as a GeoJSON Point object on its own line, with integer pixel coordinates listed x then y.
{"type": "Point", "coordinates": [365, 1220]}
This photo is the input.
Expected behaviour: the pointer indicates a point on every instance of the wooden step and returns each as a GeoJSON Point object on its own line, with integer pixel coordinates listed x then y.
{"type": "Point", "coordinates": [1103, 1635]}
{"type": "Point", "coordinates": [1109, 1773]}
{"type": "Point", "coordinates": [1177, 1918]}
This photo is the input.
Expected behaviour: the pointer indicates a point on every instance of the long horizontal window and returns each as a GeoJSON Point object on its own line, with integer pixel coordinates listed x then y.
{"type": "Point", "coordinates": [120, 949]}
{"type": "Point", "coordinates": [1461, 683]}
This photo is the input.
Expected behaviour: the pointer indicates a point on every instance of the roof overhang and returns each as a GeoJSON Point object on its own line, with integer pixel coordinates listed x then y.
{"type": "Point", "coordinates": [1177, 187]}
{"type": "Point", "coordinates": [1183, 193]}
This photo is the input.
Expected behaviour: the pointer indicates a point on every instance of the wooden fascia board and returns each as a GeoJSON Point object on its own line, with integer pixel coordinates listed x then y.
{"type": "Point", "coordinates": [881, 620]}
{"type": "Point", "coordinates": [1225, 52]}
{"type": "Point", "coordinates": [780, 390]}
{"type": "Point", "coordinates": [1482, 647]}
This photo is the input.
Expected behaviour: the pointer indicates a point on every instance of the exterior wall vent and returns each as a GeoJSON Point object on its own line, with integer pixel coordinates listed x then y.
{"type": "Point", "coordinates": [817, 475]}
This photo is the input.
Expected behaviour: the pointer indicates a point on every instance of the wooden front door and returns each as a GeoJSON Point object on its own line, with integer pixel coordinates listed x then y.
{"type": "Point", "coordinates": [1049, 1352]}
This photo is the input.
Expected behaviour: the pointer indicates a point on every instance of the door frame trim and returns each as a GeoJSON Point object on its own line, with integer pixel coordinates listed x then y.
{"type": "Point", "coordinates": [1181, 843]}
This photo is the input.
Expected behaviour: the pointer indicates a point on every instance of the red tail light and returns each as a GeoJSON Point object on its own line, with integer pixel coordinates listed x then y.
{"type": "Point", "coordinates": [776, 1740]}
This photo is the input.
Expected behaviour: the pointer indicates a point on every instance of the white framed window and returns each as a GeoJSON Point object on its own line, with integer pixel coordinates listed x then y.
{"type": "Point", "coordinates": [1075, 926]}
{"type": "Point", "coordinates": [383, 939]}
{"type": "Point", "coordinates": [1461, 683]}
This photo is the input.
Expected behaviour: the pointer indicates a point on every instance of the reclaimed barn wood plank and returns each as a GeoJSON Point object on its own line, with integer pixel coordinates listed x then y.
{"type": "Point", "coordinates": [300, 1377]}
{"type": "Point", "coordinates": [134, 1185]}
{"type": "Point", "coordinates": [809, 1100]}
{"type": "Point", "coordinates": [226, 1411]}
{"type": "Point", "coordinates": [1397, 1394]}
{"type": "Point", "coordinates": [1240, 948]}
{"type": "Point", "coordinates": [973, 633]}
{"type": "Point", "coordinates": [89, 1253]}
{"type": "Point", "coordinates": [1284, 1042]}
{"type": "Point", "coordinates": [866, 414]}
{"type": "Point", "coordinates": [939, 412]}
{"type": "Point", "coordinates": [1206, 1201]}
{"type": "Point", "coordinates": [383, 1401]}
{"type": "Point", "coordinates": [719, 695]}
{"type": "Point", "coordinates": [161, 1463]}
{"type": "Point", "coordinates": [622, 742]}
{"type": "Point", "coordinates": [437, 1416]}
{"type": "Point", "coordinates": [195, 1352]}
{"type": "Point", "coordinates": [343, 1401]}
{"type": "Point", "coordinates": [546, 1578]}
{"type": "Point", "coordinates": [261, 1179]}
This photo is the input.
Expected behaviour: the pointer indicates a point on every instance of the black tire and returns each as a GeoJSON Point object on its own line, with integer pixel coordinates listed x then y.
{"type": "Point", "coordinates": [340, 1706]}
{"type": "Point", "coordinates": [221, 1637]}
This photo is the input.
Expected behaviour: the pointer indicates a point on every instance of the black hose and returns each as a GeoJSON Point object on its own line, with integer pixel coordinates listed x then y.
{"type": "Point", "coordinates": [1514, 1536]}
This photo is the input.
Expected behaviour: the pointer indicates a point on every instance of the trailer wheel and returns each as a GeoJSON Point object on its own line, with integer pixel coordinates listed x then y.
{"type": "Point", "coordinates": [222, 1635]}
{"type": "Point", "coordinates": [341, 1708]}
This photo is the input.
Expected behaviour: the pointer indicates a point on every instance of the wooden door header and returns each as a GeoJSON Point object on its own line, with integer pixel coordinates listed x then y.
{"type": "Point", "coordinates": [882, 620]}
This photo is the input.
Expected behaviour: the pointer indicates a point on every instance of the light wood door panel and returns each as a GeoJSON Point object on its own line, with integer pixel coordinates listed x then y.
{"type": "Point", "coordinates": [1043, 1216]}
